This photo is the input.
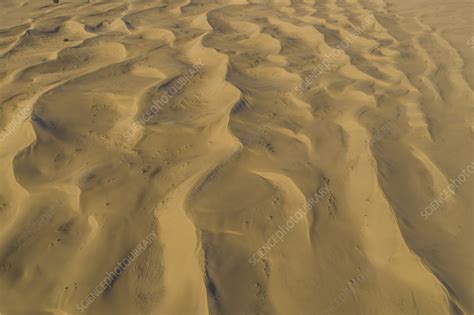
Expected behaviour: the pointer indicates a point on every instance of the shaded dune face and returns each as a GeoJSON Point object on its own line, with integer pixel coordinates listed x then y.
{"type": "Point", "coordinates": [235, 157]}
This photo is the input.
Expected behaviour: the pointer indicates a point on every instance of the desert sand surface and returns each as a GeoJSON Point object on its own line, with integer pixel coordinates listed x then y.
{"type": "Point", "coordinates": [236, 157]}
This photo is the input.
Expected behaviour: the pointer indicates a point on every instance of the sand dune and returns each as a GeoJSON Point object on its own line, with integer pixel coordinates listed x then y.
{"type": "Point", "coordinates": [277, 157]}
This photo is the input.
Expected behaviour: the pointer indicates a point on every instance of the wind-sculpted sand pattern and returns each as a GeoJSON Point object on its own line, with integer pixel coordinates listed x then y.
{"type": "Point", "coordinates": [211, 125]}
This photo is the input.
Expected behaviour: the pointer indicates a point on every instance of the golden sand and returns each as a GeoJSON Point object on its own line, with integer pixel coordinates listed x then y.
{"type": "Point", "coordinates": [236, 157]}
